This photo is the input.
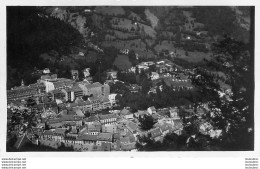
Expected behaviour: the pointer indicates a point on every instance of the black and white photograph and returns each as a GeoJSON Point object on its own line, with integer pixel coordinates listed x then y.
{"type": "Point", "coordinates": [120, 78]}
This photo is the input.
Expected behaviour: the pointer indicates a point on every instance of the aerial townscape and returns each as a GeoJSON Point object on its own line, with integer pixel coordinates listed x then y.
{"type": "Point", "coordinates": [130, 79]}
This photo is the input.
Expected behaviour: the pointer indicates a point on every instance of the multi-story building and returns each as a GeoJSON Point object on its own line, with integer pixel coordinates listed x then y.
{"type": "Point", "coordinates": [95, 89]}
{"type": "Point", "coordinates": [76, 91]}
{"type": "Point", "coordinates": [108, 119]}
{"type": "Point", "coordinates": [112, 98]}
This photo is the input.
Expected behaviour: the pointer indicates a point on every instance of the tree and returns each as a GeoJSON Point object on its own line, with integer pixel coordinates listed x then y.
{"type": "Point", "coordinates": [146, 122]}
{"type": "Point", "coordinates": [231, 113]}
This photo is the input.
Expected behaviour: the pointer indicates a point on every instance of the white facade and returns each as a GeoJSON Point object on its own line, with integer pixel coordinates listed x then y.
{"type": "Point", "coordinates": [154, 76]}
{"type": "Point", "coordinates": [112, 98]}
{"type": "Point", "coordinates": [49, 86]}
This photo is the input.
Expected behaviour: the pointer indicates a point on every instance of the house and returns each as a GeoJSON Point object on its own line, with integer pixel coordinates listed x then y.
{"type": "Point", "coordinates": [155, 118]}
{"type": "Point", "coordinates": [142, 68]}
{"type": "Point", "coordinates": [72, 118]}
{"type": "Point", "coordinates": [163, 112]}
{"type": "Point", "coordinates": [177, 127]}
{"type": "Point", "coordinates": [121, 127]}
{"type": "Point", "coordinates": [108, 119]}
{"type": "Point", "coordinates": [154, 76]}
{"type": "Point", "coordinates": [47, 135]}
{"type": "Point", "coordinates": [95, 89]}
{"type": "Point", "coordinates": [96, 103]}
{"type": "Point", "coordinates": [57, 94]}
{"type": "Point", "coordinates": [140, 113]}
{"type": "Point", "coordinates": [104, 137]}
{"type": "Point", "coordinates": [110, 128]}
{"type": "Point", "coordinates": [112, 74]}
{"type": "Point", "coordinates": [67, 94]}
{"type": "Point", "coordinates": [86, 72]}
{"type": "Point", "coordinates": [87, 139]}
{"type": "Point", "coordinates": [155, 133]}
{"type": "Point", "coordinates": [59, 134]}
{"type": "Point", "coordinates": [84, 105]}
{"type": "Point", "coordinates": [174, 113]}
{"type": "Point", "coordinates": [151, 110]}
{"type": "Point", "coordinates": [105, 103]}
{"type": "Point", "coordinates": [161, 68]}
{"type": "Point", "coordinates": [127, 114]}
{"type": "Point", "coordinates": [132, 127]}
{"type": "Point", "coordinates": [165, 128]}
{"type": "Point", "coordinates": [94, 128]}
{"type": "Point", "coordinates": [112, 98]}
{"type": "Point", "coordinates": [55, 125]}
{"type": "Point", "coordinates": [91, 120]}
{"type": "Point", "coordinates": [75, 74]}
{"type": "Point", "coordinates": [78, 112]}
{"type": "Point", "coordinates": [76, 91]}
{"type": "Point", "coordinates": [46, 71]}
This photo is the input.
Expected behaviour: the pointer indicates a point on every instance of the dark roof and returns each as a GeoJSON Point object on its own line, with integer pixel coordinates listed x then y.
{"type": "Point", "coordinates": [76, 88]}
{"type": "Point", "coordinates": [58, 84]}
{"type": "Point", "coordinates": [107, 116]}
{"type": "Point", "coordinates": [37, 131]}
{"type": "Point", "coordinates": [165, 127]}
{"type": "Point", "coordinates": [91, 119]}
{"type": "Point", "coordinates": [155, 132]}
{"type": "Point", "coordinates": [125, 112]}
{"type": "Point", "coordinates": [105, 136]}
{"type": "Point", "coordinates": [88, 137]}
{"type": "Point", "coordinates": [60, 131]}
{"type": "Point", "coordinates": [132, 126]}
{"type": "Point", "coordinates": [48, 132]}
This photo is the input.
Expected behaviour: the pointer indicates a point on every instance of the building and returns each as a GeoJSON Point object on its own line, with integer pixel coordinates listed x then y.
{"type": "Point", "coordinates": [142, 68]}
{"type": "Point", "coordinates": [155, 76]}
{"type": "Point", "coordinates": [174, 113]}
{"type": "Point", "coordinates": [57, 94]}
{"type": "Point", "coordinates": [94, 128]}
{"type": "Point", "coordinates": [151, 110]}
{"type": "Point", "coordinates": [67, 94]}
{"type": "Point", "coordinates": [112, 98]}
{"type": "Point", "coordinates": [155, 133]}
{"type": "Point", "coordinates": [161, 68]}
{"type": "Point", "coordinates": [46, 71]}
{"type": "Point", "coordinates": [109, 128]}
{"type": "Point", "coordinates": [76, 91]}
{"type": "Point", "coordinates": [108, 119]}
{"type": "Point", "coordinates": [96, 89]}
{"type": "Point", "coordinates": [74, 74]}
{"type": "Point", "coordinates": [86, 72]}
{"type": "Point", "coordinates": [59, 134]}
{"type": "Point", "coordinates": [112, 74]}
{"type": "Point", "coordinates": [104, 138]}
{"type": "Point", "coordinates": [87, 139]}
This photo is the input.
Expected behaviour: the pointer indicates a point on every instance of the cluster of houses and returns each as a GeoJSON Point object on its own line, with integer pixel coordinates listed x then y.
{"type": "Point", "coordinates": [77, 114]}
{"type": "Point", "coordinates": [69, 112]}
{"type": "Point", "coordinates": [115, 131]}
{"type": "Point", "coordinates": [172, 74]}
